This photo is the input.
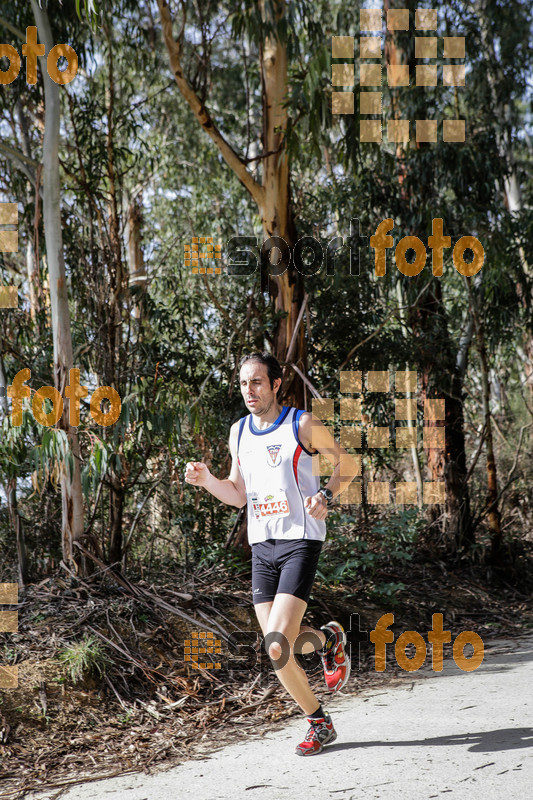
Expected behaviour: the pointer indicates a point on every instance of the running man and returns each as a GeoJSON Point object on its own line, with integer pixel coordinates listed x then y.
{"type": "Point", "coordinates": [272, 449]}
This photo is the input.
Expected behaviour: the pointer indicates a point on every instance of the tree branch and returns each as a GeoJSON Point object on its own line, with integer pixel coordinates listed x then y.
{"type": "Point", "coordinates": [476, 454]}
{"type": "Point", "coordinates": [138, 514]}
{"type": "Point", "coordinates": [221, 308]}
{"type": "Point", "coordinates": [199, 109]}
{"type": "Point", "coordinates": [264, 155]}
{"type": "Point", "coordinates": [306, 381]}
{"type": "Point", "coordinates": [16, 31]}
{"type": "Point", "coordinates": [20, 161]}
{"type": "Point", "coordinates": [483, 513]}
{"type": "Point", "coordinates": [378, 330]}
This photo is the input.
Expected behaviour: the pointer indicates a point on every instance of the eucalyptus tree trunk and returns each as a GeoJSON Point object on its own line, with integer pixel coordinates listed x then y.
{"type": "Point", "coordinates": [117, 292]}
{"type": "Point", "coordinates": [272, 194]}
{"type": "Point", "coordinates": [440, 372]}
{"type": "Point", "coordinates": [116, 518]}
{"type": "Point", "coordinates": [286, 290]}
{"type": "Point", "coordinates": [137, 267]}
{"type": "Point", "coordinates": [71, 491]}
{"type": "Point", "coordinates": [410, 423]}
{"type": "Point", "coordinates": [11, 499]}
{"type": "Point", "coordinates": [512, 191]}
{"type": "Point", "coordinates": [493, 515]}
{"type": "Point", "coordinates": [32, 267]}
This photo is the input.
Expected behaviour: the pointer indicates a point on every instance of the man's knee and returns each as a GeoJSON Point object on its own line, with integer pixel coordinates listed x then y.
{"type": "Point", "coordinates": [277, 645]}
{"type": "Point", "coordinates": [275, 651]}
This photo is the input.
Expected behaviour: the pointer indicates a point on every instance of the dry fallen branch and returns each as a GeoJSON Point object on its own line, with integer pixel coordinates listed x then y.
{"type": "Point", "coordinates": [150, 705]}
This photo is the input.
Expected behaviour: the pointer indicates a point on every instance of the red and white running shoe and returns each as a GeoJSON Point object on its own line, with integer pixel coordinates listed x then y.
{"type": "Point", "coordinates": [334, 659]}
{"type": "Point", "coordinates": [321, 732]}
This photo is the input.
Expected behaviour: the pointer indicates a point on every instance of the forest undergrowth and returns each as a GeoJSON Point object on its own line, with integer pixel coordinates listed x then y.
{"type": "Point", "coordinates": [103, 679]}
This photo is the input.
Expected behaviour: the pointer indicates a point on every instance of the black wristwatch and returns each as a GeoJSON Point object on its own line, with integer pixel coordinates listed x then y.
{"type": "Point", "coordinates": [328, 494]}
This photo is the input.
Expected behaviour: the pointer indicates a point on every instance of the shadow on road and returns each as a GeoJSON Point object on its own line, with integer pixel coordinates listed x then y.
{"type": "Point", "coordinates": [503, 661]}
{"type": "Point", "coordinates": [484, 742]}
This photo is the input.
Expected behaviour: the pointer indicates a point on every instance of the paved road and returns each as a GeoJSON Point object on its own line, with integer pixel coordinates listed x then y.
{"type": "Point", "coordinates": [452, 735]}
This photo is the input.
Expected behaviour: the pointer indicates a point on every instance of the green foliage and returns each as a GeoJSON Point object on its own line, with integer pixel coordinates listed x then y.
{"type": "Point", "coordinates": [387, 592]}
{"type": "Point", "coordinates": [351, 561]}
{"type": "Point", "coordinates": [126, 718]}
{"type": "Point", "coordinates": [14, 444]}
{"type": "Point", "coordinates": [84, 658]}
{"type": "Point", "coordinates": [233, 560]}
{"type": "Point", "coordinates": [51, 456]}
{"type": "Point", "coordinates": [399, 533]}
{"type": "Point", "coordinates": [170, 346]}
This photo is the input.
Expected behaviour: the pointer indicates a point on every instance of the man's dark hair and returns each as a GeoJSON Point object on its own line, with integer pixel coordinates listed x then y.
{"type": "Point", "coordinates": [272, 364]}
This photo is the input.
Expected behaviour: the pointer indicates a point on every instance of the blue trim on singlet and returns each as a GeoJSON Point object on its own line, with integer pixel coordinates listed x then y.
{"type": "Point", "coordinates": [295, 424]}
{"type": "Point", "coordinates": [284, 411]}
{"type": "Point", "coordinates": [241, 428]}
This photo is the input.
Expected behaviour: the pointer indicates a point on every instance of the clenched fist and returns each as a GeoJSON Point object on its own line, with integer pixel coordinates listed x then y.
{"type": "Point", "coordinates": [197, 473]}
{"type": "Point", "coordinates": [316, 506]}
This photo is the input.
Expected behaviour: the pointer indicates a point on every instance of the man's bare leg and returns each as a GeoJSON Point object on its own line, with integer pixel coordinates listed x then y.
{"type": "Point", "coordinates": [284, 615]}
{"type": "Point", "coordinates": [262, 612]}
{"type": "Point", "coordinates": [310, 643]}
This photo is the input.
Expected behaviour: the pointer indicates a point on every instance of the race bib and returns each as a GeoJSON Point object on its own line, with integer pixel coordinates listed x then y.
{"type": "Point", "coordinates": [270, 505]}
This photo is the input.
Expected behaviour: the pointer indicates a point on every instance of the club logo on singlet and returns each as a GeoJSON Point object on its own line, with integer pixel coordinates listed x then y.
{"type": "Point", "coordinates": [274, 459]}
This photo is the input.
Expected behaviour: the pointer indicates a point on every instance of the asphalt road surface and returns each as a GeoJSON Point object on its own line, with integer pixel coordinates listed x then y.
{"type": "Point", "coordinates": [454, 734]}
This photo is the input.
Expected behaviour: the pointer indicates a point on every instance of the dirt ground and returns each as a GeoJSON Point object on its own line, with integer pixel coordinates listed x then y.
{"type": "Point", "coordinates": [151, 708]}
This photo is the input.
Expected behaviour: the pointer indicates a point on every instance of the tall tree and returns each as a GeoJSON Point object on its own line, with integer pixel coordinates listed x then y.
{"type": "Point", "coordinates": [71, 491]}
{"type": "Point", "coordinates": [504, 35]}
{"type": "Point", "coordinates": [272, 194]}
{"type": "Point", "coordinates": [427, 314]}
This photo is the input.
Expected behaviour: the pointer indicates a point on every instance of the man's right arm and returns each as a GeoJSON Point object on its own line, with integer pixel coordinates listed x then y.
{"type": "Point", "coordinates": [231, 490]}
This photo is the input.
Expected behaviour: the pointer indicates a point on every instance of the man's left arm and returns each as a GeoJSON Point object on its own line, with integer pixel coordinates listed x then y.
{"type": "Point", "coordinates": [316, 437]}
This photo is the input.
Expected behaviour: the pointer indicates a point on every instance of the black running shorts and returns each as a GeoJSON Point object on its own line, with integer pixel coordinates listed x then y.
{"type": "Point", "coordinates": [284, 566]}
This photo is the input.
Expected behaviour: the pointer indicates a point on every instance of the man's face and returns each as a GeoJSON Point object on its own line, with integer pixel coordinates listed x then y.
{"type": "Point", "coordinates": [255, 387]}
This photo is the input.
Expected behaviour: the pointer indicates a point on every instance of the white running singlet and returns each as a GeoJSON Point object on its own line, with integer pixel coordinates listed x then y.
{"type": "Point", "coordinates": [277, 473]}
